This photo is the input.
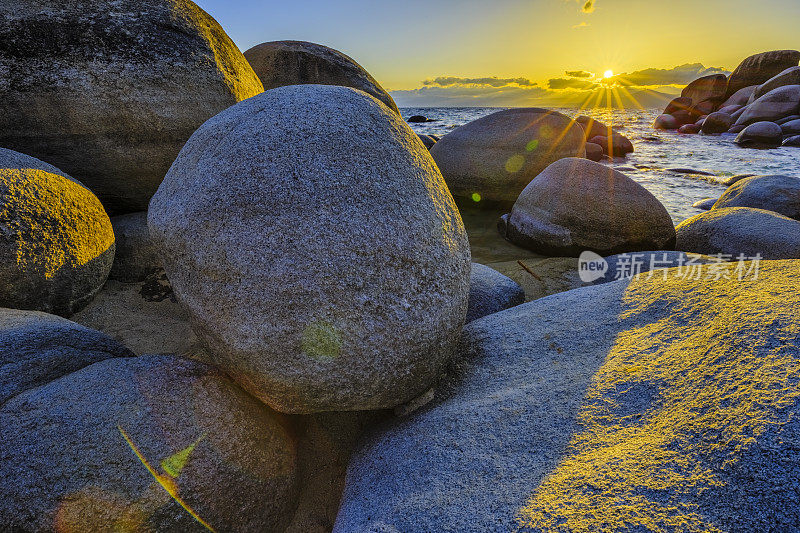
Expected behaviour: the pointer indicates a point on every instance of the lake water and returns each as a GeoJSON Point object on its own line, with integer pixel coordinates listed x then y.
{"type": "Point", "coordinates": [656, 153]}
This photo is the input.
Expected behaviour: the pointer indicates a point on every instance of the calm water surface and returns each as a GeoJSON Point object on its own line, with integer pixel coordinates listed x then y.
{"type": "Point", "coordinates": [656, 153]}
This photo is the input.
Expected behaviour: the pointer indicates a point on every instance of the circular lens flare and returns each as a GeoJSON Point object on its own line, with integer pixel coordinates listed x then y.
{"type": "Point", "coordinates": [608, 74]}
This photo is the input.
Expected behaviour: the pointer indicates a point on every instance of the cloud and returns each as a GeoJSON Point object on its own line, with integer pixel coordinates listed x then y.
{"type": "Point", "coordinates": [680, 75]}
{"type": "Point", "coordinates": [588, 6]}
{"type": "Point", "coordinates": [470, 95]}
{"type": "Point", "coordinates": [581, 25]}
{"type": "Point", "coordinates": [448, 81]}
{"type": "Point", "coordinates": [652, 87]}
{"type": "Point", "coordinates": [579, 74]}
{"type": "Point", "coordinates": [570, 83]}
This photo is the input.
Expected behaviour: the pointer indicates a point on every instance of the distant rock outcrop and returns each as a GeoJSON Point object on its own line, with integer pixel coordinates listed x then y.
{"type": "Point", "coordinates": [765, 87]}
{"type": "Point", "coordinates": [759, 68]}
{"type": "Point", "coordinates": [774, 105]}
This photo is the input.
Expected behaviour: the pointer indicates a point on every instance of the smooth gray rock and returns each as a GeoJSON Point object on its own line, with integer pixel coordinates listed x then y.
{"type": "Point", "coordinates": [576, 205]}
{"type": "Point", "coordinates": [733, 179]}
{"type": "Point", "coordinates": [740, 97]}
{"type": "Point", "coordinates": [791, 128]}
{"type": "Point", "coordinates": [784, 120]}
{"type": "Point", "coordinates": [679, 104]}
{"type": "Point", "coordinates": [281, 63]}
{"type": "Point", "coordinates": [708, 88]}
{"type": "Point", "coordinates": [736, 129]}
{"type": "Point", "coordinates": [594, 152]}
{"type": "Point", "coordinates": [760, 135]}
{"type": "Point", "coordinates": [585, 396]}
{"type": "Point", "coordinates": [9, 159]}
{"type": "Point", "coordinates": [136, 254]}
{"type": "Point", "coordinates": [792, 141]}
{"type": "Point", "coordinates": [736, 114]}
{"type": "Point", "coordinates": [56, 241]}
{"type": "Point", "coordinates": [37, 348]}
{"type": "Point", "coordinates": [615, 146]}
{"type": "Point", "coordinates": [790, 76]}
{"type": "Point", "coordinates": [651, 264]}
{"type": "Point", "coordinates": [705, 204]}
{"type": "Point", "coordinates": [593, 128]}
{"type": "Point", "coordinates": [76, 452]}
{"type": "Point", "coordinates": [316, 249]}
{"type": "Point", "coordinates": [740, 230]}
{"type": "Point", "coordinates": [777, 193]}
{"type": "Point", "coordinates": [759, 68]}
{"type": "Point", "coordinates": [496, 156]}
{"type": "Point", "coordinates": [110, 90]}
{"type": "Point", "coordinates": [491, 292]}
{"type": "Point", "coordinates": [729, 109]}
{"type": "Point", "coordinates": [427, 140]}
{"type": "Point", "coordinates": [717, 122]}
{"type": "Point", "coordinates": [774, 105]}
{"type": "Point", "coordinates": [665, 122]}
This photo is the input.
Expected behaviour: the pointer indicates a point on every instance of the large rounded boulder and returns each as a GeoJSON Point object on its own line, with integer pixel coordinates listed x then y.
{"type": "Point", "coordinates": [740, 232]}
{"type": "Point", "coordinates": [762, 134]}
{"type": "Point", "coordinates": [708, 88]}
{"type": "Point", "coordinates": [576, 205]}
{"type": "Point", "coordinates": [152, 443]}
{"type": "Point", "coordinates": [759, 68]}
{"type": "Point", "coordinates": [492, 159]}
{"type": "Point", "coordinates": [790, 76]}
{"type": "Point", "coordinates": [280, 63]}
{"type": "Point", "coordinates": [718, 122]}
{"type": "Point", "coordinates": [110, 90]}
{"type": "Point", "coordinates": [56, 240]}
{"type": "Point", "coordinates": [778, 103]}
{"type": "Point", "coordinates": [777, 193]}
{"type": "Point", "coordinates": [317, 250]}
{"type": "Point", "coordinates": [664, 404]}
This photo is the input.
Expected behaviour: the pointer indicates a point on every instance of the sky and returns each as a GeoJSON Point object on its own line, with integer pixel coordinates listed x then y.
{"type": "Point", "coordinates": [513, 52]}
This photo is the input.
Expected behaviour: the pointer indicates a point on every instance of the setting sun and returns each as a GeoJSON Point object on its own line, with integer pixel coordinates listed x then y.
{"type": "Point", "coordinates": [608, 74]}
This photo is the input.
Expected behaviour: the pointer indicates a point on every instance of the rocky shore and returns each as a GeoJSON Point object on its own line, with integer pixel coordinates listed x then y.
{"type": "Point", "coordinates": [760, 102]}
{"type": "Point", "coordinates": [224, 308]}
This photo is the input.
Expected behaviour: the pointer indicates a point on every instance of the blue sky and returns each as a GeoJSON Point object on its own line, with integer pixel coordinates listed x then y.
{"type": "Point", "coordinates": [403, 43]}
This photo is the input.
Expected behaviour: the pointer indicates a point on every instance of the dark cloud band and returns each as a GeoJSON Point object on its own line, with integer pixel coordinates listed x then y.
{"type": "Point", "coordinates": [449, 81]}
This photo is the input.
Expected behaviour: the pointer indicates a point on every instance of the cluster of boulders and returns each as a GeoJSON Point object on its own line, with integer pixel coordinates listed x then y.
{"type": "Point", "coordinates": [759, 101]}
{"type": "Point", "coordinates": [491, 160]}
{"type": "Point", "coordinates": [286, 277]}
{"type": "Point", "coordinates": [305, 233]}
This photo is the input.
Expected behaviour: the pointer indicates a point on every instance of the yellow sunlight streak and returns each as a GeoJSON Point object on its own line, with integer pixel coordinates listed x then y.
{"type": "Point", "coordinates": [166, 482]}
